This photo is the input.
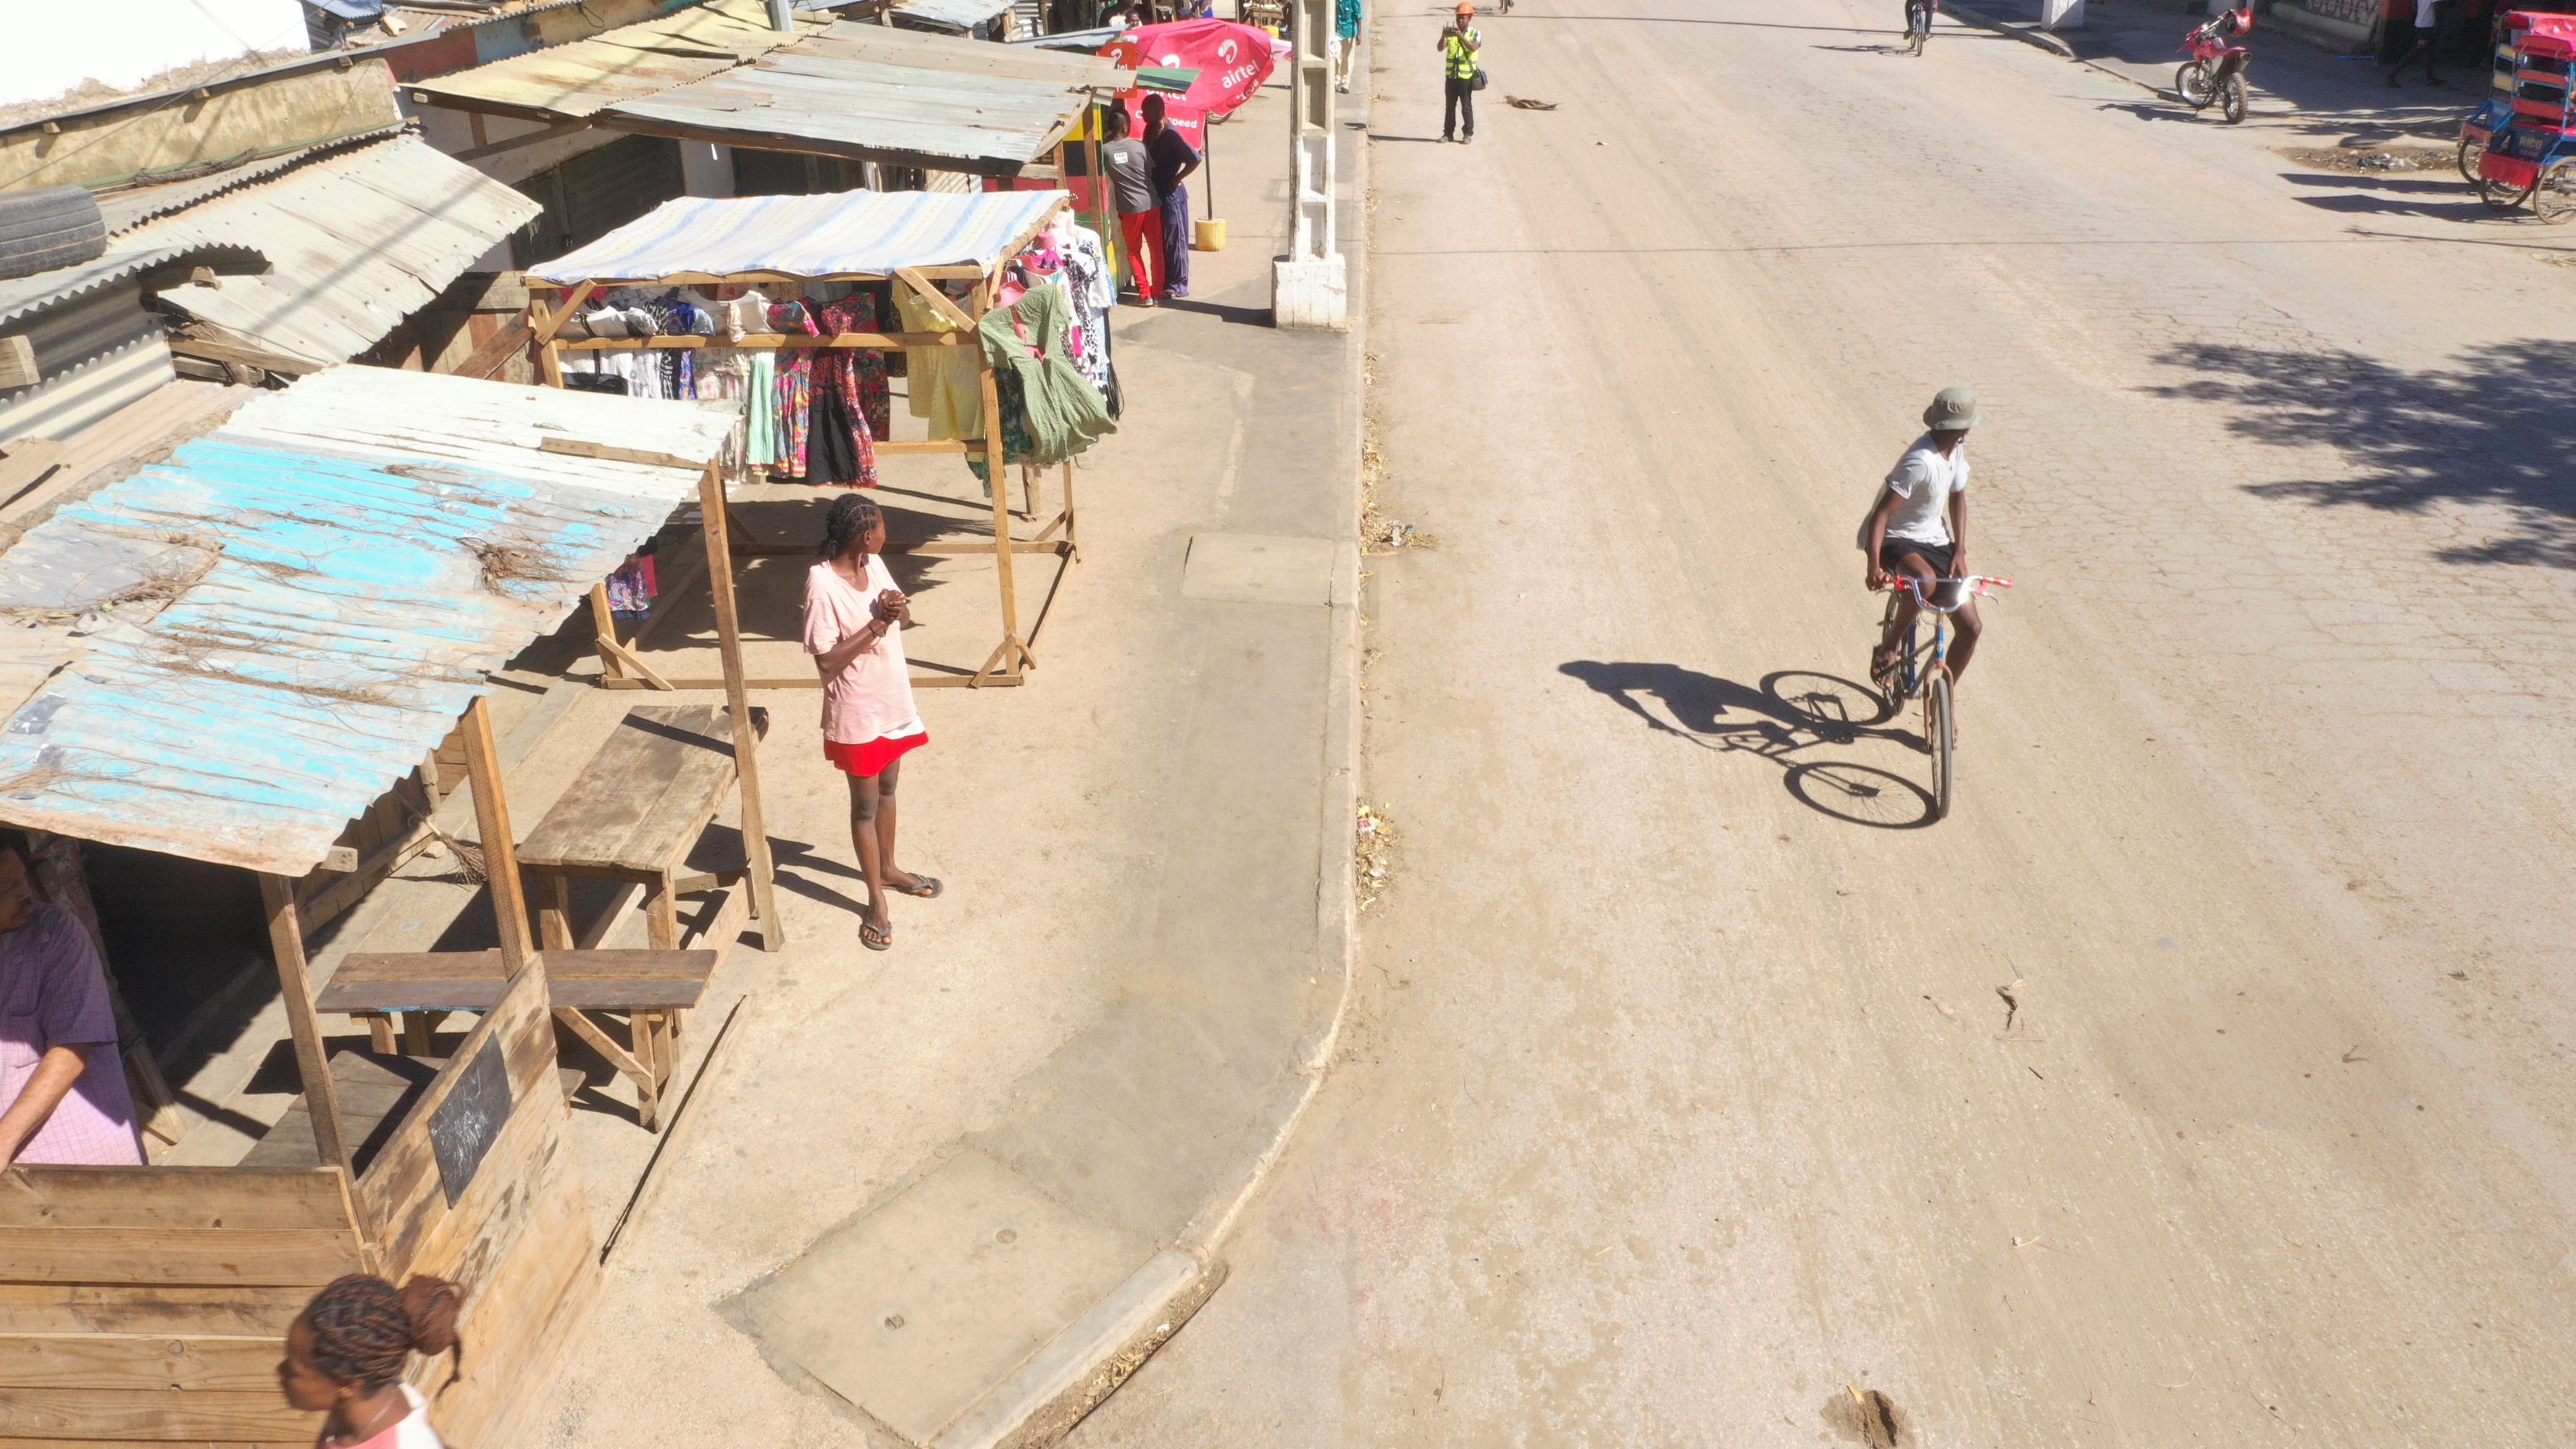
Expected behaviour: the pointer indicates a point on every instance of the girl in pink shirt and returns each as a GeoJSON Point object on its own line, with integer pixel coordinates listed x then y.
{"type": "Point", "coordinates": [854, 618]}
{"type": "Point", "coordinates": [345, 1355]}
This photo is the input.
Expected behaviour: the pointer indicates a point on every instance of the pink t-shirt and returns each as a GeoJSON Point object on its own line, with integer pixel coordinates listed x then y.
{"type": "Point", "coordinates": [871, 698]}
{"type": "Point", "coordinates": [412, 1431]}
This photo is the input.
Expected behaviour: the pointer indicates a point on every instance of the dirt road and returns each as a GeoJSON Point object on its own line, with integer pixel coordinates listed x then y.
{"type": "Point", "coordinates": [2202, 1080]}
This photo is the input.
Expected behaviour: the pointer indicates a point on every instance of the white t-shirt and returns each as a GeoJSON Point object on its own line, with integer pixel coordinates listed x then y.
{"type": "Point", "coordinates": [1924, 480]}
{"type": "Point", "coordinates": [2424, 19]}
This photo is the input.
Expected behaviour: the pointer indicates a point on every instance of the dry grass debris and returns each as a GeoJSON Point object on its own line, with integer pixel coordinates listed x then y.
{"type": "Point", "coordinates": [1373, 854]}
{"type": "Point", "coordinates": [508, 563]}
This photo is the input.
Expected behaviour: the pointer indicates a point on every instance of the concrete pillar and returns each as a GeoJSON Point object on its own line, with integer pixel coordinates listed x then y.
{"type": "Point", "coordinates": [2061, 14]}
{"type": "Point", "coordinates": [1311, 288]}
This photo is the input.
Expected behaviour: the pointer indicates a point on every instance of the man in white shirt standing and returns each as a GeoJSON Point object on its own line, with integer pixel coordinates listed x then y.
{"type": "Point", "coordinates": [2428, 32]}
{"type": "Point", "coordinates": [1919, 527]}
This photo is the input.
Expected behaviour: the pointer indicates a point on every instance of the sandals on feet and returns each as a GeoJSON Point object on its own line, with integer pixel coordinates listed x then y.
{"type": "Point", "coordinates": [924, 886]}
{"type": "Point", "coordinates": [876, 937]}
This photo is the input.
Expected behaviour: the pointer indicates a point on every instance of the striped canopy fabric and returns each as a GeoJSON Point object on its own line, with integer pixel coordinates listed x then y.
{"type": "Point", "coordinates": [850, 232]}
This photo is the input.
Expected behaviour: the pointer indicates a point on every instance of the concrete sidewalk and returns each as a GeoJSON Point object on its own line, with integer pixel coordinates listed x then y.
{"type": "Point", "coordinates": [2296, 73]}
{"type": "Point", "coordinates": [952, 1193]}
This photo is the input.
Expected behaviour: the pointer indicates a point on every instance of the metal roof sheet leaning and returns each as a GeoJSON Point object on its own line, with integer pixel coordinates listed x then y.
{"type": "Point", "coordinates": [288, 613]}
{"type": "Point", "coordinates": [862, 233]}
{"type": "Point", "coordinates": [580, 78]}
{"type": "Point", "coordinates": [356, 242]}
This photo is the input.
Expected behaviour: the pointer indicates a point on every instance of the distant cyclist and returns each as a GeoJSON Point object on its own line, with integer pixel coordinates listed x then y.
{"type": "Point", "coordinates": [1918, 21]}
{"type": "Point", "coordinates": [1919, 528]}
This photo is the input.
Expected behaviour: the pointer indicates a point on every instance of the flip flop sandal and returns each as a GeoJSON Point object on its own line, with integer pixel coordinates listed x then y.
{"type": "Point", "coordinates": [876, 937]}
{"type": "Point", "coordinates": [926, 886]}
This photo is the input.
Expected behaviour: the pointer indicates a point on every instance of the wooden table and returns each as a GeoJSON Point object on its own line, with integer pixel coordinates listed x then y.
{"type": "Point", "coordinates": [634, 814]}
{"type": "Point", "coordinates": [650, 988]}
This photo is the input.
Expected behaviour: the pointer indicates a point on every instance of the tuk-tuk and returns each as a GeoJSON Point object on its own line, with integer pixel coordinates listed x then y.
{"type": "Point", "coordinates": [2491, 112]}
{"type": "Point", "coordinates": [2527, 154]}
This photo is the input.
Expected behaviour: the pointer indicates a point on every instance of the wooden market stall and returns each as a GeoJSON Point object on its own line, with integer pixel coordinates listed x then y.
{"type": "Point", "coordinates": [337, 570]}
{"type": "Point", "coordinates": [913, 240]}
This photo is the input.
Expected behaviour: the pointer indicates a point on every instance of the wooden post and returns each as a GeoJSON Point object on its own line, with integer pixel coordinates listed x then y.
{"type": "Point", "coordinates": [295, 981]}
{"type": "Point", "coordinates": [604, 620]}
{"type": "Point", "coordinates": [1008, 655]}
{"type": "Point", "coordinates": [1072, 535]}
{"type": "Point", "coordinates": [1103, 215]}
{"type": "Point", "coordinates": [746, 740]}
{"type": "Point", "coordinates": [500, 848]}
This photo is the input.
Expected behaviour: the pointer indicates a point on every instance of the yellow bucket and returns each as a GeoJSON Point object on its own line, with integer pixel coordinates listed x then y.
{"type": "Point", "coordinates": [1207, 236]}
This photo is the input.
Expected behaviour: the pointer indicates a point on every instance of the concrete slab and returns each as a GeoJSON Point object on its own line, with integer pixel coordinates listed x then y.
{"type": "Point", "coordinates": [1259, 569]}
{"type": "Point", "coordinates": [920, 1309]}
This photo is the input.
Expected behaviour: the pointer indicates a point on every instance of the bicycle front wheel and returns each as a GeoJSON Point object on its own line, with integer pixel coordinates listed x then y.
{"type": "Point", "coordinates": [1918, 26]}
{"type": "Point", "coordinates": [1944, 741]}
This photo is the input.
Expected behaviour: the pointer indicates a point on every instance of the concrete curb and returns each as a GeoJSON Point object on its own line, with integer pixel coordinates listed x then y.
{"type": "Point", "coordinates": [1089, 1361]}
{"type": "Point", "coordinates": [2027, 34]}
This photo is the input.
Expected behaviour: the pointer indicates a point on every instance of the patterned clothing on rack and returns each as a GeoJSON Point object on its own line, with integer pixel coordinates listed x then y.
{"type": "Point", "coordinates": [795, 387]}
{"type": "Point", "coordinates": [855, 384]}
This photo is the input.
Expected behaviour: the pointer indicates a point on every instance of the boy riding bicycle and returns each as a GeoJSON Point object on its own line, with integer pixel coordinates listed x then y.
{"type": "Point", "coordinates": [1919, 530]}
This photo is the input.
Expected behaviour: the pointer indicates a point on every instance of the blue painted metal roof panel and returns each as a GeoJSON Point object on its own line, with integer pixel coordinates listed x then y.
{"type": "Point", "coordinates": [288, 614]}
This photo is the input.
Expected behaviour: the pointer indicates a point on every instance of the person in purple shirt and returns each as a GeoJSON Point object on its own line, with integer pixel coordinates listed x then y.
{"type": "Point", "coordinates": [63, 1097]}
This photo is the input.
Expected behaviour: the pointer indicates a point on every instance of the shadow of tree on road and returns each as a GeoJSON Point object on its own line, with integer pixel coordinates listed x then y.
{"type": "Point", "coordinates": [2495, 427]}
{"type": "Point", "coordinates": [1795, 710]}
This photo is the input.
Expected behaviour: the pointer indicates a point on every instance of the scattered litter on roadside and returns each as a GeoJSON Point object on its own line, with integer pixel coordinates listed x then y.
{"type": "Point", "coordinates": [2012, 1003]}
{"type": "Point", "coordinates": [1386, 535]}
{"type": "Point", "coordinates": [1373, 851]}
{"type": "Point", "coordinates": [2363, 161]}
{"type": "Point", "coordinates": [1945, 1011]}
{"type": "Point", "coordinates": [1529, 103]}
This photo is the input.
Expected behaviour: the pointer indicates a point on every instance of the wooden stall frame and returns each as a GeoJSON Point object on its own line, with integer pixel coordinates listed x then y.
{"type": "Point", "coordinates": [622, 667]}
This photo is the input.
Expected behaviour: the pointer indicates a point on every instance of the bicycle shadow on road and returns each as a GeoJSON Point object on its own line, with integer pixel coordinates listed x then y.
{"type": "Point", "coordinates": [1794, 711]}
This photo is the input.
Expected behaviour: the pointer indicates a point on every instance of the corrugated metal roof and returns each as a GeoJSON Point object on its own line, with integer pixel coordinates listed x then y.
{"type": "Point", "coordinates": [962, 14]}
{"type": "Point", "coordinates": [328, 557]}
{"type": "Point", "coordinates": [129, 207]}
{"type": "Point", "coordinates": [877, 94]}
{"type": "Point", "coordinates": [869, 233]}
{"type": "Point", "coordinates": [355, 242]}
{"type": "Point", "coordinates": [123, 258]}
{"type": "Point", "coordinates": [580, 78]}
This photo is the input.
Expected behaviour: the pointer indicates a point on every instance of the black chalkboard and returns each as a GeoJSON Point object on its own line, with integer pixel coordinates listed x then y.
{"type": "Point", "coordinates": [462, 1128]}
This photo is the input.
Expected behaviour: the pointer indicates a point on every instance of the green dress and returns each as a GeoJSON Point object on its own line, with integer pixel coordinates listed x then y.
{"type": "Point", "coordinates": [1061, 412]}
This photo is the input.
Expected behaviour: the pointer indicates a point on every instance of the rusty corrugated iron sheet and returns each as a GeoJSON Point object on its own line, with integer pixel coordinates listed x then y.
{"type": "Point", "coordinates": [288, 613]}
{"type": "Point", "coordinates": [355, 242]}
{"type": "Point", "coordinates": [579, 79]}
{"type": "Point", "coordinates": [872, 93]}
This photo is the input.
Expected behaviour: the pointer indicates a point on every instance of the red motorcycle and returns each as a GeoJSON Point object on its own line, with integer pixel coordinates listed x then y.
{"type": "Point", "coordinates": [2216, 70]}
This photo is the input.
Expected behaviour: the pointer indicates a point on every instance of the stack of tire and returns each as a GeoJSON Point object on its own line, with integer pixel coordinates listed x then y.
{"type": "Point", "coordinates": [42, 231]}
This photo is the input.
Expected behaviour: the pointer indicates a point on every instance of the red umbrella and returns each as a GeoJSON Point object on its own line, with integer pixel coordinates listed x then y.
{"type": "Point", "coordinates": [1232, 61]}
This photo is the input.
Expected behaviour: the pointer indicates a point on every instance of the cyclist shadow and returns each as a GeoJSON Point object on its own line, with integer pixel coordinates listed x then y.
{"type": "Point", "coordinates": [1792, 713]}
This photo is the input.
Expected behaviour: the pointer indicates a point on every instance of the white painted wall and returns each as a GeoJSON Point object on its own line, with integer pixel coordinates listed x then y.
{"type": "Point", "coordinates": [54, 46]}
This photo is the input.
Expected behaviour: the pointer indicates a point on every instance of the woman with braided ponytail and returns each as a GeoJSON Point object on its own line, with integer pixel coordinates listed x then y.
{"type": "Point", "coordinates": [346, 1352]}
{"type": "Point", "coordinates": [854, 618]}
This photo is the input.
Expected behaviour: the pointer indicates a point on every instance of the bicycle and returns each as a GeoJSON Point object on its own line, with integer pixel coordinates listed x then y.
{"type": "Point", "coordinates": [1921, 671]}
{"type": "Point", "coordinates": [1918, 24]}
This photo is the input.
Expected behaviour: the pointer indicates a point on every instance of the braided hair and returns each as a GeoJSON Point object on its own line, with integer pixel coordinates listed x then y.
{"type": "Point", "coordinates": [364, 1328]}
{"type": "Point", "coordinates": [851, 518]}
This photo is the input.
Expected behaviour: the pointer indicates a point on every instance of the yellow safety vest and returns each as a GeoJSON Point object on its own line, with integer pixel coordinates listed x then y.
{"type": "Point", "coordinates": [1462, 56]}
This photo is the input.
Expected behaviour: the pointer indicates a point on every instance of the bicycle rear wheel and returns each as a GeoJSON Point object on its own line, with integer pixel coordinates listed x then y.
{"type": "Point", "coordinates": [1944, 741]}
{"type": "Point", "coordinates": [1918, 27]}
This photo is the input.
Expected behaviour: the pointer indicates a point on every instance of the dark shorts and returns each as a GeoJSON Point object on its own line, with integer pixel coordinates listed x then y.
{"type": "Point", "coordinates": [1938, 555]}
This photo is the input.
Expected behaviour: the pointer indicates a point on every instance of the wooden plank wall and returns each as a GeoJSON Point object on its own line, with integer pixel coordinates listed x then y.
{"type": "Point", "coordinates": [149, 1305]}
{"type": "Point", "coordinates": [519, 1240]}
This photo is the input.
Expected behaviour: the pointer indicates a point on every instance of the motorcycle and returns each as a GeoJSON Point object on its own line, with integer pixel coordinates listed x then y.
{"type": "Point", "coordinates": [2216, 70]}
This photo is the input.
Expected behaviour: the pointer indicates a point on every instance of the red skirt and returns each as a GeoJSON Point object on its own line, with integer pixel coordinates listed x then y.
{"type": "Point", "coordinates": [869, 760]}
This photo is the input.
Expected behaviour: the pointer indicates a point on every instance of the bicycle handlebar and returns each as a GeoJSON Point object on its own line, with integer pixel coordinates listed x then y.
{"type": "Point", "coordinates": [1976, 587]}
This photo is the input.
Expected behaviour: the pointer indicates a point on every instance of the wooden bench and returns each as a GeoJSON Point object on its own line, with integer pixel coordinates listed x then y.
{"type": "Point", "coordinates": [650, 988]}
{"type": "Point", "coordinates": [634, 815]}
